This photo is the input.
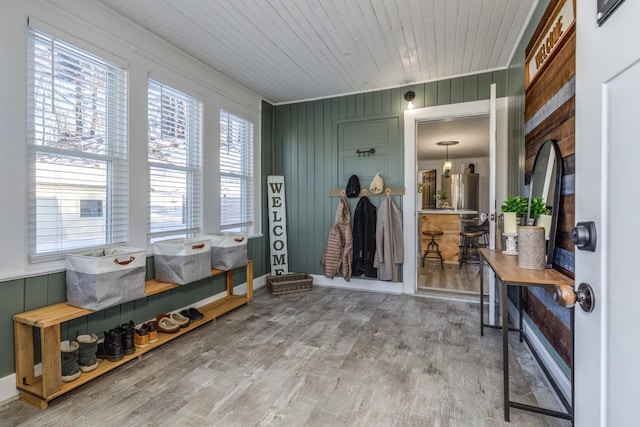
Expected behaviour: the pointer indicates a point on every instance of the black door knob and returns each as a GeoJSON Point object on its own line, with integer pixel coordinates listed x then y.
{"type": "Point", "coordinates": [583, 235]}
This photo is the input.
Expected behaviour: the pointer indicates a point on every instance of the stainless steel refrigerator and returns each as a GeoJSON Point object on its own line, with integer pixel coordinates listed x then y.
{"type": "Point", "coordinates": [463, 190]}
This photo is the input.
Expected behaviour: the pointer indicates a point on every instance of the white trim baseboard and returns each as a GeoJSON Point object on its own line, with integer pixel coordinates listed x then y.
{"type": "Point", "coordinates": [359, 284]}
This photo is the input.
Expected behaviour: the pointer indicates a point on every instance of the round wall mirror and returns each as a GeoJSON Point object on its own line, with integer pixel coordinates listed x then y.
{"type": "Point", "coordinates": [545, 186]}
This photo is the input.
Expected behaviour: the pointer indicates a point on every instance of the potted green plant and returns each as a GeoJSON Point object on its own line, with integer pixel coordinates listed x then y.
{"type": "Point", "coordinates": [515, 204]}
{"type": "Point", "coordinates": [538, 207]}
{"type": "Point", "coordinates": [512, 208]}
{"type": "Point", "coordinates": [441, 196]}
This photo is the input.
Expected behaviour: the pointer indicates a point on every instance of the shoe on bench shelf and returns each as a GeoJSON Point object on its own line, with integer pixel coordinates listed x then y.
{"type": "Point", "coordinates": [70, 367]}
{"type": "Point", "coordinates": [181, 320]}
{"type": "Point", "coordinates": [192, 313]}
{"type": "Point", "coordinates": [167, 325]}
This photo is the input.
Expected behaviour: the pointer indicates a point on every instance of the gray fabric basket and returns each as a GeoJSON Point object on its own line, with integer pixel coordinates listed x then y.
{"type": "Point", "coordinates": [228, 250]}
{"type": "Point", "coordinates": [103, 278]}
{"type": "Point", "coordinates": [182, 261]}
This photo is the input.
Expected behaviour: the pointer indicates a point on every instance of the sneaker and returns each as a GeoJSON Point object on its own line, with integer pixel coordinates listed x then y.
{"type": "Point", "coordinates": [126, 331]}
{"type": "Point", "coordinates": [88, 346]}
{"type": "Point", "coordinates": [111, 349]}
{"type": "Point", "coordinates": [70, 367]}
{"type": "Point", "coordinates": [152, 331]}
{"type": "Point", "coordinates": [141, 336]}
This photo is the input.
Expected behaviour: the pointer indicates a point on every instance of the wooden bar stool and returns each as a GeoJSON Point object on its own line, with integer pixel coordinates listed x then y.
{"type": "Point", "coordinates": [433, 251]}
{"type": "Point", "coordinates": [469, 248]}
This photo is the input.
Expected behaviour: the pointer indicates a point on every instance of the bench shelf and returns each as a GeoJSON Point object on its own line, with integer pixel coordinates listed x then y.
{"type": "Point", "coordinates": [39, 390]}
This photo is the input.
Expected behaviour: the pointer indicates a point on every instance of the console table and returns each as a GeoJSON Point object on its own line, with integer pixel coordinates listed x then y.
{"type": "Point", "coordinates": [506, 269]}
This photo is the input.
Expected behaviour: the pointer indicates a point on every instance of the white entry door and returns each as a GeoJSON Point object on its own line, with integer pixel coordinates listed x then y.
{"type": "Point", "coordinates": [607, 340]}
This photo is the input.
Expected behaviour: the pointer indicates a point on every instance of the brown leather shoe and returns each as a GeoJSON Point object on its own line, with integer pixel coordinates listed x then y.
{"type": "Point", "coordinates": [181, 320]}
{"type": "Point", "coordinates": [141, 336]}
{"type": "Point", "coordinates": [152, 331]}
{"type": "Point", "coordinates": [165, 324]}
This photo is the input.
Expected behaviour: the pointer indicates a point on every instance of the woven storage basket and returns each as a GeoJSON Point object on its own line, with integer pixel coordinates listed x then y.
{"type": "Point", "coordinates": [289, 283]}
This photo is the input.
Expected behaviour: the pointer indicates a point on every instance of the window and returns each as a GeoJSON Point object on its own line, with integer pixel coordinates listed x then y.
{"type": "Point", "coordinates": [175, 165]}
{"type": "Point", "coordinates": [76, 149]}
{"type": "Point", "coordinates": [236, 173]}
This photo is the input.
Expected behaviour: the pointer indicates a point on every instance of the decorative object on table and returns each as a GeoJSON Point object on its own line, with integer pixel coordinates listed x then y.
{"type": "Point", "coordinates": [182, 261]}
{"type": "Point", "coordinates": [377, 184]}
{"type": "Point", "coordinates": [545, 222]}
{"type": "Point", "coordinates": [289, 283]}
{"type": "Point", "coordinates": [279, 256]}
{"type": "Point", "coordinates": [441, 196]}
{"type": "Point", "coordinates": [353, 186]}
{"type": "Point", "coordinates": [537, 207]}
{"type": "Point", "coordinates": [511, 244]}
{"type": "Point", "coordinates": [102, 278]}
{"type": "Point", "coordinates": [516, 204]}
{"type": "Point", "coordinates": [531, 248]}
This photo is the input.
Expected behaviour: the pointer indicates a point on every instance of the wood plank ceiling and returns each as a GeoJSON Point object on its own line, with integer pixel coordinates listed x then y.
{"type": "Point", "coordinates": [293, 50]}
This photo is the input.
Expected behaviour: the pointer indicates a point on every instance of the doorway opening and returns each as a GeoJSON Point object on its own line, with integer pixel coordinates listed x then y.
{"type": "Point", "coordinates": [496, 110]}
{"type": "Point", "coordinates": [461, 174]}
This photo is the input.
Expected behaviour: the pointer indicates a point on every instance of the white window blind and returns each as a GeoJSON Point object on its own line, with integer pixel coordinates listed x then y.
{"type": "Point", "coordinates": [175, 162]}
{"type": "Point", "coordinates": [236, 172]}
{"type": "Point", "coordinates": [76, 149]}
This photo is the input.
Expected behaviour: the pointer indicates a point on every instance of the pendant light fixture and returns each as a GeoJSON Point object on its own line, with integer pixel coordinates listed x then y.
{"type": "Point", "coordinates": [446, 168]}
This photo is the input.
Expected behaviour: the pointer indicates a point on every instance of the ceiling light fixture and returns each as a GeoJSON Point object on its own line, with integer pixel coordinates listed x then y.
{"type": "Point", "coordinates": [409, 97]}
{"type": "Point", "coordinates": [446, 168]}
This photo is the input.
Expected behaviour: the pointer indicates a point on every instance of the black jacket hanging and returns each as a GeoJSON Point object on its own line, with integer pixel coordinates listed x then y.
{"type": "Point", "coordinates": [364, 239]}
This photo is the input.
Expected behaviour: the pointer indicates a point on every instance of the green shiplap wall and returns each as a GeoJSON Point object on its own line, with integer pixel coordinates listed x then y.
{"type": "Point", "coordinates": [305, 152]}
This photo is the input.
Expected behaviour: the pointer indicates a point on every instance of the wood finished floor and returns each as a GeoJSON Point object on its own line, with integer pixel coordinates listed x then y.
{"type": "Point", "coordinates": [328, 357]}
{"type": "Point", "coordinates": [451, 278]}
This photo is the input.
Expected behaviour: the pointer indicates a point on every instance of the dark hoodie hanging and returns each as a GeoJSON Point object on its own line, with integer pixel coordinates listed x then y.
{"type": "Point", "coordinates": [353, 186]}
{"type": "Point", "coordinates": [364, 239]}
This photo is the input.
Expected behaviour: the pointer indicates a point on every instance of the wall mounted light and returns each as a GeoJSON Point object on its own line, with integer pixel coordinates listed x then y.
{"type": "Point", "coordinates": [409, 97]}
{"type": "Point", "coordinates": [446, 168]}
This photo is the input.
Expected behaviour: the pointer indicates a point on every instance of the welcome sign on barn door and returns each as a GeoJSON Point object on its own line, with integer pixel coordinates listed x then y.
{"type": "Point", "coordinates": [277, 226]}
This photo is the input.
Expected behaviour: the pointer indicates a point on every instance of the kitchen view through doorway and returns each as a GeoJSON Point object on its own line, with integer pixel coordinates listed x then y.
{"type": "Point", "coordinates": [453, 197]}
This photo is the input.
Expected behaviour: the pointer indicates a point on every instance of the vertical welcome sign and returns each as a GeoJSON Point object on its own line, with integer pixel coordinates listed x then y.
{"type": "Point", "coordinates": [277, 226]}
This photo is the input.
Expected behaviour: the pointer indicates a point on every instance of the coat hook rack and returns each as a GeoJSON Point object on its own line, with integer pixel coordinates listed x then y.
{"type": "Point", "coordinates": [368, 152]}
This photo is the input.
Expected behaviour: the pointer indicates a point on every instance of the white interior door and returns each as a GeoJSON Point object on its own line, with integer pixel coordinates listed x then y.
{"type": "Point", "coordinates": [607, 344]}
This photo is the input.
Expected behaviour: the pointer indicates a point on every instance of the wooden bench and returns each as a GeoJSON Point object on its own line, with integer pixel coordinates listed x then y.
{"type": "Point", "coordinates": [39, 390]}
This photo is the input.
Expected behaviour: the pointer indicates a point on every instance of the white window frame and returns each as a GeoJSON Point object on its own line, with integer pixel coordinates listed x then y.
{"type": "Point", "coordinates": [251, 193]}
{"type": "Point", "coordinates": [49, 120]}
{"type": "Point", "coordinates": [190, 167]}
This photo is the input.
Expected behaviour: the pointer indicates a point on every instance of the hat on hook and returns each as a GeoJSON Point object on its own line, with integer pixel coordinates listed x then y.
{"type": "Point", "coordinates": [353, 186]}
{"type": "Point", "coordinates": [377, 185]}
